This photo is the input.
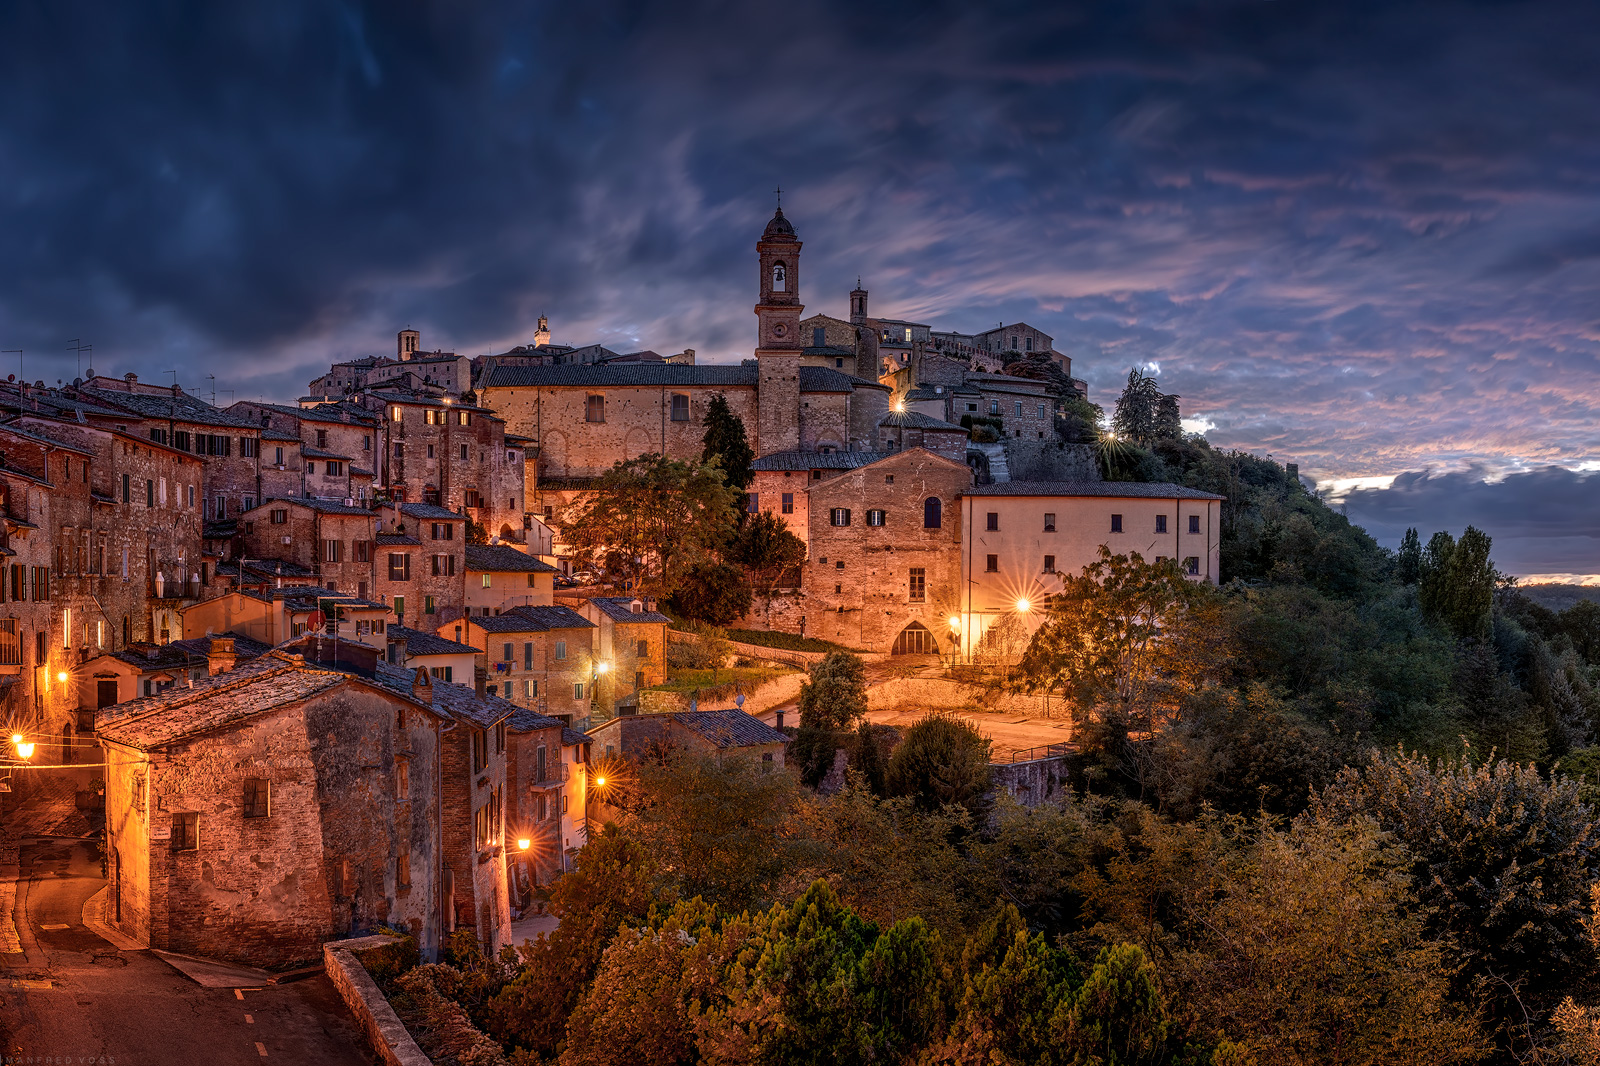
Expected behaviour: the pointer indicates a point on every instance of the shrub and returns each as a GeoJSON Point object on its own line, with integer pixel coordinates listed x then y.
{"type": "Point", "coordinates": [942, 760]}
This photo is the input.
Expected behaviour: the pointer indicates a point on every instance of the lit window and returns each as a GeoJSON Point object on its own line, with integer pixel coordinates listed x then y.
{"type": "Point", "coordinates": [875, 518]}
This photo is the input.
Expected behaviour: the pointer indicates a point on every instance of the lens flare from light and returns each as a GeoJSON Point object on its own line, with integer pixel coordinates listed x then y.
{"type": "Point", "coordinates": [25, 749]}
{"type": "Point", "coordinates": [600, 782]}
{"type": "Point", "coordinates": [62, 677]}
{"type": "Point", "coordinates": [955, 622]}
{"type": "Point", "coordinates": [1023, 606]}
{"type": "Point", "coordinates": [523, 843]}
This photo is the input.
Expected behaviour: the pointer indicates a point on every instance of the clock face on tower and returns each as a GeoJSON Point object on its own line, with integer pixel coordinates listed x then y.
{"type": "Point", "coordinates": [777, 329]}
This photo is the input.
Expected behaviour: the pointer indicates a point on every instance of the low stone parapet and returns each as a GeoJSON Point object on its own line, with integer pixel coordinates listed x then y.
{"type": "Point", "coordinates": [385, 1032]}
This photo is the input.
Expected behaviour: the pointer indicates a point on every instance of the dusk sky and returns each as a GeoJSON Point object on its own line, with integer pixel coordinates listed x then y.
{"type": "Point", "coordinates": [1364, 237]}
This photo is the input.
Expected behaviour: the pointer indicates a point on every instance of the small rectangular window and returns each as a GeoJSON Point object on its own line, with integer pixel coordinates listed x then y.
{"type": "Point", "coordinates": [1161, 523]}
{"type": "Point", "coordinates": [1191, 565]}
{"type": "Point", "coordinates": [280, 516]}
{"type": "Point", "coordinates": [527, 655]}
{"type": "Point", "coordinates": [402, 870]}
{"type": "Point", "coordinates": [256, 792]}
{"type": "Point", "coordinates": [429, 605]}
{"type": "Point", "coordinates": [561, 649]}
{"type": "Point", "coordinates": [185, 832]}
{"type": "Point", "coordinates": [752, 502]}
{"type": "Point", "coordinates": [595, 409]}
{"type": "Point", "coordinates": [839, 516]}
{"type": "Point", "coordinates": [788, 503]}
{"type": "Point", "coordinates": [1019, 408]}
{"type": "Point", "coordinates": [402, 779]}
{"type": "Point", "coordinates": [1049, 564]}
{"type": "Point", "coordinates": [1116, 523]}
{"type": "Point", "coordinates": [399, 566]}
{"type": "Point", "coordinates": [992, 523]}
{"type": "Point", "coordinates": [643, 650]}
{"type": "Point", "coordinates": [918, 590]}
{"type": "Point", "coordinates": [992, 564]}
{"type": "Point", "coordinates": [507, 654]}
{"type": "Point", "coordinates": [577, 690]}
{"type": "Point", "coordinates": [480, 751]}
{"type": "Point", "coordinates": [1194, 523]}
{"type": "Point", "coordinates": [875, 518]}
{"type": "Point", "coordinates": [680, 407]}
{"type": "Point", "coordinates": [1049, 522]}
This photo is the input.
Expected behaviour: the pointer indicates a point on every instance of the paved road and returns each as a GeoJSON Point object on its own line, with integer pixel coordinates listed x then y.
{"type": "Point", "coordinates": [71, 996]}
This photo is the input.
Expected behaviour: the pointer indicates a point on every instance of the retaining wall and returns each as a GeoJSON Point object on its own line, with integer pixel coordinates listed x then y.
{"type": "Point", "coordinates": [385, 1032]}
{"type": "Point", "coordinates": [1032, 783]}
{"type": "Point", "coordinates": [939, 693]}
{"type": "Point", "coordinates": [775, 693]}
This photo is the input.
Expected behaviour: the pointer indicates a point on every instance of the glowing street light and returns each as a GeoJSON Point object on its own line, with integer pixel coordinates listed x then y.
{"type": "Point", "coordinates": [600, 782]}
{"type": "Point", "coordinates": [1023, 606]}
{"type": "Point", "coordinates": [62, 677]}
{"type": "Point", "coordinates": [23, 745]}
{"type": "Point", "coordinates": [523, 843]}
{"type": "Point", "coordinates": [955, 623]}
{"type": "Point", "coordinates": [601, 667]}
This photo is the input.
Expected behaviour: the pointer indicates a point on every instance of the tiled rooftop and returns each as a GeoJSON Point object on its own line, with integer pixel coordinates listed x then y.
{"type": "Point", "coordinates": [798, 460]}
{"type": "Point", "coordinates": [1159, 490]}
{"type": "Point", "coordinates": [620, 608]}
{"type": "Point", "coordinates": [421, 642]}
{"type": "Point", "coordinates": [498, 558]}
{"type": "Point", "coordinates": [532, 620]}
{"type": "Point", "coordinates": [650, 375]}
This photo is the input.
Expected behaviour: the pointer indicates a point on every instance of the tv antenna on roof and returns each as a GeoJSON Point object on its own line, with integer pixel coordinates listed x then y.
{"type": "Point", "coordinates": [213, 379]}
{"type": "Point", "coordinates": [78, 346]}
{"type": "Point", "coordinates": [18, 353]}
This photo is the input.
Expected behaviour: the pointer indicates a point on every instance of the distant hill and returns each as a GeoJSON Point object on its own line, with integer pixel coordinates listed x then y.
{"type": "Point", "coordinates": [1559, 597]}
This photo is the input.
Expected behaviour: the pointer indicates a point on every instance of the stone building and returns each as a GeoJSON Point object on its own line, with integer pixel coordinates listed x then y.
{"type": "Point", "coordinates": [236, 477]}
{"type": "Point", "coordinates": [334, 542]}
{"type": "Point", "coordinates": [631, 643]}
{"type": "Point", "coordinates": [452, 455]}
{"type": "Point", "coordinates": [445, 660]}
{"type": "Point", "coordinates": [545, 760]}
{"type": "Point", "coordinates": [338, 455]}
{"type": "Point", "coordinates": [540, 658]}
{"type": "Point", "coordinates": [300, 798]}
{"type": "Point", "coordinates": [881, 566]}
{"type": "Point", "coordinates": [143, 669]}
{"type": "Point", "coordinates": [420, 564]}
{"type": "Point", "coordinates": [1021, 537]}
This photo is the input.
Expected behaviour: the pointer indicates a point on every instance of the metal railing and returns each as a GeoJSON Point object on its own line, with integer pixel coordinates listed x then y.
{"type": "Point", "coordinates": [1042, 751]}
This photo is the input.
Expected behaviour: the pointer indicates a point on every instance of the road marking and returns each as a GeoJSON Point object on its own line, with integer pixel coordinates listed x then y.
{"type": "Point", "coordinates": [239, 993]}
{"type": "Point", "coordinates": [261, 1049]}
{"type": "Point", "coordinates": [249, 1020]}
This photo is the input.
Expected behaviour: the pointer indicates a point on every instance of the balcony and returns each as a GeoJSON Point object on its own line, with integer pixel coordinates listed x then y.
{"type": "Point", "coordinates": [554, 778]}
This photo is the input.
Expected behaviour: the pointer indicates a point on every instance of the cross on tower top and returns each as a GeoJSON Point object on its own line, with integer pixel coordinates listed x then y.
{"type": "Point", "coordinates": [780, 197]}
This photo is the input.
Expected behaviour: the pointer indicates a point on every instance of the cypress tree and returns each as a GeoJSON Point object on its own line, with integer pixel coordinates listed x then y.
{"type": "Point", "coordinates": [725, 442]}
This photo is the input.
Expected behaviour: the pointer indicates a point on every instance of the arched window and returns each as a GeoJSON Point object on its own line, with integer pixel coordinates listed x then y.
{"type": "Point", "coordinates": [932, 513]}
{"type": "Point", "coordinates": [779, 277]}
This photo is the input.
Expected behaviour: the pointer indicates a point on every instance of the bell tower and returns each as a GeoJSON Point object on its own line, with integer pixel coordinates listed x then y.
{"type": "Point", "coordinates": [778, 342]}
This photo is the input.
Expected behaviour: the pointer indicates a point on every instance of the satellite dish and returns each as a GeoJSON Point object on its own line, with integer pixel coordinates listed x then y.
{"type": "Point", "coordinates": [318, 620]}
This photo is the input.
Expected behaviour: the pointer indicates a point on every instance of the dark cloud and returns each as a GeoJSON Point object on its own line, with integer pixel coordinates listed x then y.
{"type": "Point", "coordinates": [1544, 522]}
{"type": "Point", "coordinates": [1359, 235]}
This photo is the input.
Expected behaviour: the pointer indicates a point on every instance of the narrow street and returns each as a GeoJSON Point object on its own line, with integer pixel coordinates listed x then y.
{"type": "Point", "coordinates": [67, 995]}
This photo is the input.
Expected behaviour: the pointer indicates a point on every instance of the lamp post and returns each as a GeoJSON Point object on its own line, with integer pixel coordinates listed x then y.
{"type": "Point", "coordinates": [599, 784]}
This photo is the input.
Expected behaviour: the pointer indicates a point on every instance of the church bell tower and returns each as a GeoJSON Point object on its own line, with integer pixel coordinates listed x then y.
{"type": "Point", "coordinates": [778, 338]}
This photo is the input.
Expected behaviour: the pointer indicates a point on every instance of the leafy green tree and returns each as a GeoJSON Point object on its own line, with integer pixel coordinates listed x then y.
{"type": "Point", "coordinates": [726, 444]}
{"type": "Point", "coordinates": [942, 760]}
{"type": "Point", "coordinates": [652, 519]}
{"type": "Point", "coordinates": [867, 758]}
{"type": "Point", "coordinates": [1143, 413]}
{"type": "Point", "coordinates": [712, 592]}
{"type": "Point", "coordinates": [721, 827]}
{"type": "Point", "coordinates": [1310, 947]}
{"type": "Point", "coordinates": [1126, 641]}
{"type": "Point", "coordinates": [1457, 581]}
{"type": "Point", "coordinates": [613, 881]}
{"type": "Point", "coordinates": [1503, 855]}
{"type": "Point", "coordinates": [1408, 564]}
{"type": "Point", "coordinates": [766, 548]}
{"type": "Point", "coordinates": [1580, 623]}
{"type": "Point", "coordinates": [831, 702]}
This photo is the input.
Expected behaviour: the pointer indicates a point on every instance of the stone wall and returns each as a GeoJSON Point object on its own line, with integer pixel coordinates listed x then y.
{"type": "Point", "coordinates": [775, 693]}
{"type": "Point", "coordinates": [1050, 460]}
{"type": "Point", "coordinates": [1035, 782]}
{"type": "Point", "coordinates": [385, 1032]}
{"type": "Point", "coordinates": [939, 694]}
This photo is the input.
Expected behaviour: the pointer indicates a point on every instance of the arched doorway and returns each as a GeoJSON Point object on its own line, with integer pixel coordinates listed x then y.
{"type": "Point", "coordinates": [915, 639]}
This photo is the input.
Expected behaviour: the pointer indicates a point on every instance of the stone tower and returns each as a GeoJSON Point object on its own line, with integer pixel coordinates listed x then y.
{"type": "Point", "coordinates": [406, 342]}
{"type": "Point", "coordinates": [858, 304]}
{"type": "Point", "coordinates": [778, 339]}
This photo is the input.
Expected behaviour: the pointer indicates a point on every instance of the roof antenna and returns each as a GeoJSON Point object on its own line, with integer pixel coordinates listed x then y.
{"type": "Point", "coordinates": [76, 345]}
{"type": "Point", "coordinates": [18, 353]}
{"type": "Point", "coordinates": [213, 379]}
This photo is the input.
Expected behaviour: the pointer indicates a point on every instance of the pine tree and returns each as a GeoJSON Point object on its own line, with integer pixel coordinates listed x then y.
{"type": "Point", "coordinates": [725, 442]}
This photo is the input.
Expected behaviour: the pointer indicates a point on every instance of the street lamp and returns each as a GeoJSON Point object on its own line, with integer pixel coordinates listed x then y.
{"type": "Point", "coordinates": [524, 843]}
{"type": "Point", "coordinates": [23, 745]}
{"type": "Point", "coordinates": [62, 677]}
{"type": "Point", "coordinates": [1023, 606]}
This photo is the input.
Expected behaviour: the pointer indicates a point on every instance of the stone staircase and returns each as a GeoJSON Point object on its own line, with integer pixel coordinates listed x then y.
{"type": "Point", "coordinates": [996, 454]}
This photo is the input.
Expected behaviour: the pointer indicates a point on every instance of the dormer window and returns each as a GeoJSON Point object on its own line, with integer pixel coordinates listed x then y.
{"type": "Point", "coordinates": [636, 607]}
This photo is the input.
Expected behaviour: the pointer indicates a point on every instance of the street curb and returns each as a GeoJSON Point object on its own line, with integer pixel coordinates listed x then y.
{"type": "Point", "coordinates": [94, 909]}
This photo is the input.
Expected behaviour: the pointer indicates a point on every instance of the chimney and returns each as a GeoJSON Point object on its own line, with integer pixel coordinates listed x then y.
{"type": "Point", "coordinates": [422, 686]}
{"type": "Point", "coordinates": [130, 379]}
{"type": "Point", "coordinates": [397, 652]}
{"type": "Point", "coordinates": [220, 656]}
{"type": "Point", "coordinates": [480, 681]}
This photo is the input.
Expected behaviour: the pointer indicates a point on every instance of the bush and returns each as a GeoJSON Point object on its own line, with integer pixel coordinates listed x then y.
{"type": "Point", "coordinates": [713, 592]}
{"type": "Point", "coordinates": [942, 760]}
{"type": "Point", "coordinates": [1505, 856]}
{"type": "Point", "coordinates": [771, 638]}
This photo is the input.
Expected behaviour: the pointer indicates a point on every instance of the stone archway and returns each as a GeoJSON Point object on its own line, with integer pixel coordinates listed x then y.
{"type": "Point", "coordinates": [915, 639]}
